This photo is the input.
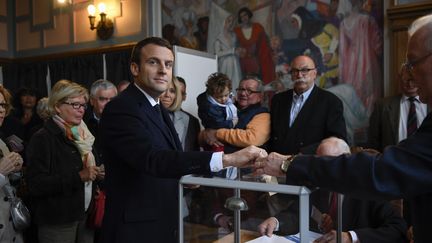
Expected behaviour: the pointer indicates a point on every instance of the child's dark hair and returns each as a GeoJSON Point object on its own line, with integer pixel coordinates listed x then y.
{"type": "Point", "coordinates": [217, 82]}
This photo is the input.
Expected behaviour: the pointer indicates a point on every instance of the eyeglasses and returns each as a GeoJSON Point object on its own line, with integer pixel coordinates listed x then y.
{"type": "Point", "coordinates": [4, 105]}
{"type": "Point", "coordinates": [303, 71]}
{"type": "Point", "coordinates": [409, 65]}
{"type": "Point", "coordinates": [76, 106]}
{"type": "Point", "coordinates": [248, 91]}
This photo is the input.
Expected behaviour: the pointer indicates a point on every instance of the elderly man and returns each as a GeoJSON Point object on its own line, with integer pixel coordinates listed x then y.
{"type": "Point", "coordinates": [363, 220]}
{"type": "Point", "coordinates": [142, 153]}
{"type": "Point", "coordinates": [303, 116]}
{"type": "Point", "coordinates": [253, 127]}
{"type": "Point", "coordinates": [101, 92]}
{"type": "Point", "coordinates": [403, 170]}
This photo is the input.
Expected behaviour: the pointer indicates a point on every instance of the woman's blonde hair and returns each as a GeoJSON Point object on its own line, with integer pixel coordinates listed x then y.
{"type": "Point", "coordinates": [8, 99]}
{"type": "Point", "coordinates": [176, 105]}
{"type": "Point", "coordinates": [63, 90]}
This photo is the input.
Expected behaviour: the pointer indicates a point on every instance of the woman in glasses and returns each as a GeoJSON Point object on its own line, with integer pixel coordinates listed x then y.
{"type": "Point", "coordinates": [9, 163]}
{"type": "Point", "coordinates": [62, 167]}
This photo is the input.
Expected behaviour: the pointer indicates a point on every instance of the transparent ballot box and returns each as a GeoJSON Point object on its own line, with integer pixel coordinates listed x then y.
{"type": "Point", "coordinates": [194, 230]}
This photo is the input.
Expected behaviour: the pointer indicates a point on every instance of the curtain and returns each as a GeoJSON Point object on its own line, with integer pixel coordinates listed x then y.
{"type": "Point", "coordinates": [80, 69]}
{"type": "Point", "coordinates": [30, 75]}
{"type": "Point", "coordinates": [117, 65]}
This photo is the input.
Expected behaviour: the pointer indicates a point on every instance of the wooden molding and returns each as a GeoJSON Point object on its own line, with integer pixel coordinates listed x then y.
{"type": "Point", "coordinates": [409, 10]}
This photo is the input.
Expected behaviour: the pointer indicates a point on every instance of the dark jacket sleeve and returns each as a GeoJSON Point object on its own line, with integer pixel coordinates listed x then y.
{"type": "Point", "coordinates": [126, 134]}
{"type": "Point", "coordinates": [382, 225]}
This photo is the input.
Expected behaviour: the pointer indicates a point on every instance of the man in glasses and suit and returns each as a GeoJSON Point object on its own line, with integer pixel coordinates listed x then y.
{"type": "Point", "coordinates": [303, 116]}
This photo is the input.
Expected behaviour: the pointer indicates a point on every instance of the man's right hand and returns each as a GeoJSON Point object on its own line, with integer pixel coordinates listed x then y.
{"type": "Point", "coordinates": [243, 158]}
{"type": "Point", "coordinates": [268, 226]}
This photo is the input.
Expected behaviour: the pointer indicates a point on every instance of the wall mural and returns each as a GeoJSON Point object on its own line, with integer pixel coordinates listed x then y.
{"type": "Point", "coordinates": [344, 37]}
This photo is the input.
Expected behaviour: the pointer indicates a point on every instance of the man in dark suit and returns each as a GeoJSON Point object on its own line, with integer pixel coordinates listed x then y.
{"type": "Point", "coordinates": [142, 153]}
{"type": "Point", "coordinates": [362, 220]}
{"type": "Point", "coordinates": [388, 121]}
{"type": "Point", "coordinates": [303, 116]}
{"type": "Point", "coordinates": [400, 171]}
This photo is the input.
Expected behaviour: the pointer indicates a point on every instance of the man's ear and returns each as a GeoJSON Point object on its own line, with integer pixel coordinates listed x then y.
{"type": "Point", "coordinates": [134, 69]}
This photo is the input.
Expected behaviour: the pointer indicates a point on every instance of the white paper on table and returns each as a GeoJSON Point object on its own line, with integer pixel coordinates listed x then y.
{"type": "Point", "coordinates": [273, 239]}
{"type": "Point", "coordinates": [311, 237]}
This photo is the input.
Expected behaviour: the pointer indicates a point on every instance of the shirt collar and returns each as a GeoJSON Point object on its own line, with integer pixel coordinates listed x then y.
{"type": "Point", "coordinates": [152, 101]}
{"type": "Point", "coordinates": [306, 93]}
{"type": "Point", "coordinates": [406, 98]}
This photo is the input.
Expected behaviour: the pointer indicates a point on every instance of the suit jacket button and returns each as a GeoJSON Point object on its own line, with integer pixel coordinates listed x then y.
{"type": "Point", "coordinates": [5, 199]}
{"type": "Point", "coordinates": [1, 226]}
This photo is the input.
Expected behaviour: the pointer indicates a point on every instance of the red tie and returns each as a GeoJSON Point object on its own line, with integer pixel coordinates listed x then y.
{"type": "Point", "coordinates": [333, 206]}
{"type": "Point", "coordinates": [412, 117]}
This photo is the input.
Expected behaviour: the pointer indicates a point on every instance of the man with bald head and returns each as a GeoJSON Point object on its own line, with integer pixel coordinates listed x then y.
{"type": "Point", "coordinates": [303, 116]}
{"type": "Point", "coordinates": [401, 171]}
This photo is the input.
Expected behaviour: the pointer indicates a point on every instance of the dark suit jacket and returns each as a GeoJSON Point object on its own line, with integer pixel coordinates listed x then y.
{"type": "Point", "coordinates": [143, 164]}
{"type": "Point", "coordinates": [384, 123]}
{"type": "Point", "coordinates": [404, 171]}
{"type": "Point", "coordinates": [320, 117]}
{"type": "Point", "coordinates": [372, 221]}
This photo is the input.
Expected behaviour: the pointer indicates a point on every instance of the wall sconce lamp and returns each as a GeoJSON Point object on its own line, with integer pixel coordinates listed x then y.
{"type": "Point", "coordinates": [105, 27]}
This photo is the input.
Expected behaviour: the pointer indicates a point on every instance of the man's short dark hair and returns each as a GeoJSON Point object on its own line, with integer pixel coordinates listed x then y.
{"type": "Point", "coordinates": [136, 51]}
{"type": "Point", "coordinates": [247, 11]}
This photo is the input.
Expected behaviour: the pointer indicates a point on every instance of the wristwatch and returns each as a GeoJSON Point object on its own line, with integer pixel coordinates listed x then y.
{"type": "Point", "coordinates": [286, 163]}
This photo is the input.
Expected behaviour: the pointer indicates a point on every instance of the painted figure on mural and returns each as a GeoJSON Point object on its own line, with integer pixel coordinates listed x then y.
{"type": "Point", "coordinates": [225, 49]}
{"type": "Point", "coordinates": [360, 49]}
{"type": "Point", "coordinates": [323, 40]}
{"type": "Point", "coordinates": [189, 40]}
{"type": "Point", "coordinates": [254, 51]}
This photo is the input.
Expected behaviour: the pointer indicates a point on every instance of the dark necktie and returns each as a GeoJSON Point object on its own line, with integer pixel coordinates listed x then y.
{"type": "Point", "coordinates": [159, 112]}
{"type": "Point", "coordinates": [412, 117]}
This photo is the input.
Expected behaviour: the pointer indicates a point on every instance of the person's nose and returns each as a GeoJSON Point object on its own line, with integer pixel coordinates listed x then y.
{"type": "Point", "coordinates": [163, 68]}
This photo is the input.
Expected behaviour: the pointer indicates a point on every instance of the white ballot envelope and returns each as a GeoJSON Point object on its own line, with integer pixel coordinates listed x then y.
{"type": "Point", "coordinates": [311, 236]}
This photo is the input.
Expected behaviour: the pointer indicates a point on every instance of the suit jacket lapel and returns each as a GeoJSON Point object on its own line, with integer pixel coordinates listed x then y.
{"type": "Point", "coordinates": [285, 109]}
{"type": "Point", "coordinates": [174, 138]}
{"type": "Point", "coordinates": [150, 113]}
{"type": "Point", "coordinates": [393, 110]}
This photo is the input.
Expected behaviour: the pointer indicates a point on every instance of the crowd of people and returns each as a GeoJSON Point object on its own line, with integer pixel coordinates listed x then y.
{"type": "Point", "coordinates": [63, 152]}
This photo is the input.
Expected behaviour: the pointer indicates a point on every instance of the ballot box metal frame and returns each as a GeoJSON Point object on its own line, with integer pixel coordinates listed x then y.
{"type": "Point", "coordinates": [302, 191]}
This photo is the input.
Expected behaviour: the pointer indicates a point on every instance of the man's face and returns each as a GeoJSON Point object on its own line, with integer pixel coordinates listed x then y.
{"type": "Point", "coordinates": [303, 73]}
{"type": "Point", "coordinates": [247, 95]}
{"type": "Point", "coordinates": [155, 70]}
{"type": "Point", "coordinates": [421, 63]}
{"type": "Point", "coordinates": [102, 97]}
{"type": "Point", "coordinates": [407, 84]}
